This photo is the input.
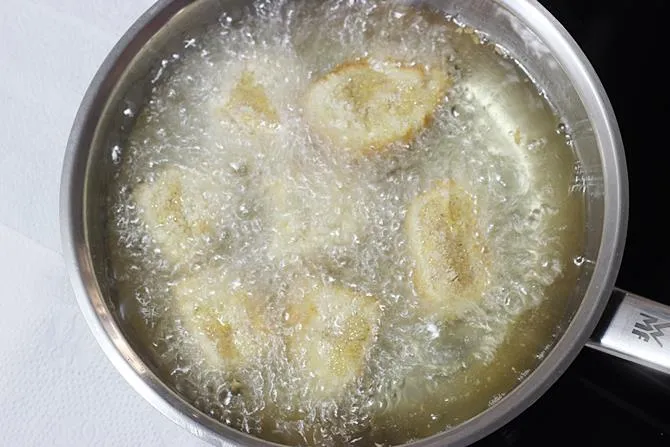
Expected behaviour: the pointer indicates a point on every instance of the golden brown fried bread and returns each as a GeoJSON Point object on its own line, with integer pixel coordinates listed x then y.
{"type": "Point", "coordinates": [177, 213]}
{"type": "Point", "coordinates": [310, 224]}
{"type": "Point", "coordinates": [311, 213]}
{"type": "Point", "coordinates": [450, 273]}
{"type": "Point", "coordinates": [255, 97]}
{"type": "Point", "coordinates": [330, 332]}
{"type": "Point", "coordinates": [222, 318]}
{"type": "Point", "coordinates": [248, 104]}
{"type": "Point", "coordinates": [363, 106]}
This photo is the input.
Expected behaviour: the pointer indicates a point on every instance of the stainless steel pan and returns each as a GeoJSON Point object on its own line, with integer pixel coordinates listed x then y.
{"type": "Point", "coordinates": [632, 328]}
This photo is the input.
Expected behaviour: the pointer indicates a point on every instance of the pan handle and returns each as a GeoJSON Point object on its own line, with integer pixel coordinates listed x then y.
{"type": "Point", "coordinates": [636, 329]}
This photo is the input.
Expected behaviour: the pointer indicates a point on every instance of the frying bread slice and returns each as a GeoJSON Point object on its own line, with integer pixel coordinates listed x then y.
{"type": "Point", "coordinates": [450, 271]}
{"type": "Point", "coordinates": [363, 106]}
{"type": "Point", "coordinates": [331, 331]}
{"type": "Point", "coordinates": [248, 105]}
{"type": "Point", "coordinates": [250, 113]}
{"type": "Point", "coordinates": [225, 322]}
{"type": "Point", "coordinates": [178, 211]}
{"type": "Point", "coordinates": [254, 98]}
{"type": "Point", "coordinates": [308, 224]}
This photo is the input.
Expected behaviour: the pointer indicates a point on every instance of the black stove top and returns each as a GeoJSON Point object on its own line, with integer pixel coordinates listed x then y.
{"type": "Point", "coordinates": [602, 400]}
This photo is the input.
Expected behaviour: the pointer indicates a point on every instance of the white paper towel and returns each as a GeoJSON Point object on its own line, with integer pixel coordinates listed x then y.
{"type": "Point", "coordinates": [49, 52]}
{"type": "Point", "coordinates": [57, 387]}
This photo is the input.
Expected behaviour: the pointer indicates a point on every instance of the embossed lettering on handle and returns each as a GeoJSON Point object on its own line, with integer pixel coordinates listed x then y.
{"type": "Point", "coordinates": [636, 329]}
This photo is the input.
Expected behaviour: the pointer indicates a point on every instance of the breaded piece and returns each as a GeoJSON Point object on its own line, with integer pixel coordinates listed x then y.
{"type": "Point", "coordinates": [248, 105]}
{"type": "Point", "coordinates": [363, 106]}
{"type": "Point", "coordinates": [310, 223]}
{"type": "Point", "coordinates": [224, 321]}
{"type": "Point", "coordinates": [249, 114]}
{"type": "Point", "coordinates": [254, 94]}
{"type": "Point", "coordinates": [330, 332]}
{"type": "Point", "coordinates": [450, 257]}
{"type": "Point", "coordinates": [178, 212]}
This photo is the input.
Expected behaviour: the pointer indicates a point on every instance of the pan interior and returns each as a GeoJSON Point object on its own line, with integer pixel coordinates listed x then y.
{"type": "Point", "coordinates": [513, 89]}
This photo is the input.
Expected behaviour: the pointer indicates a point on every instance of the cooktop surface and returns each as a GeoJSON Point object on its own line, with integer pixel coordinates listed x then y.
{"type": "Point", "coordinates": [600, 399]}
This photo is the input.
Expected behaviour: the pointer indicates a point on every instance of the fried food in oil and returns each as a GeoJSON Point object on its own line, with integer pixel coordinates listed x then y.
{"type": "Point", "coordinates": [364, 106]}
{"type": "Point", "coordinates": [450, 257]}
{"type": "Point", "coordinates": [225, 320]}
{"type": "Point", "coordinates": [330, 332]}
{"type": "Point", "coordinates": [176, 210]}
